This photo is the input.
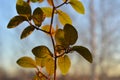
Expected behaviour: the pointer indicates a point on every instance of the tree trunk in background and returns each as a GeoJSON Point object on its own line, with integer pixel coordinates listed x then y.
{"type": "Point", "coordinates": [93, 38]}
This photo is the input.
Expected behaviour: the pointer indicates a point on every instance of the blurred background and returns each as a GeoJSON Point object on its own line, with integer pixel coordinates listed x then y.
{"type": "Point", "coordinates": [98, 28]}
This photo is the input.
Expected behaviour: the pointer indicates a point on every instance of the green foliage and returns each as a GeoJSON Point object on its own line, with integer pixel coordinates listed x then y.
{"type": "Point", "coordinates": [84, 52]}
{"type": "Point", "coordinates": [64, 64]}
{"type": "Point", "coordinates": [26, 62]}
{"type": "Point", "coordinates": [42, 52]}
{"type": "Point", "coordinates": [27, 31]}
{"type": "Point", "coordinates": [15, 21]}
{"type": "Point", "coordinates": [70, 34]}
{"type": "Point", "coordinates": [23, 8]}
{"type": "Point", "coordinates": [38, 16]}
{"type": "Point", "coordinates": [63, 39]}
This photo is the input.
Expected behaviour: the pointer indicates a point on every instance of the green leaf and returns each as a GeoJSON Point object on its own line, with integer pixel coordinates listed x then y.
{"type": "Point", "coordinates": [47, 11]}
{"type": "Point", "coordinates": [70, 34]}
{"type": "Point", "coordinates": [34, 1]}
{"type": "Point", "coordinates": [64, 17]}
{"type": "Point", "coordinates": [49, 65]}
{"type": "Point", "coordinates": [84, 52]}
{"type": "Point", "coordinates": [40, 61]}
{"type": "Point", "coordinates": [78, 6]}
{"type": "Point", "coordinates": [38, 16]}
{"type": "Point", "coordinates": [59, 38]}
{"type": "Point", "coordinates": [26, 62]}
{"type": "Point", "coordinates": [15, 21]}
{"type": "Point", "coordinates": [23, 8]}
{"type": "Point", "coordinates": [42, 52]}
{"type": "Point", "coordinates": [27, 31]}
{"type": "Point", "coordinates": [64, 64]}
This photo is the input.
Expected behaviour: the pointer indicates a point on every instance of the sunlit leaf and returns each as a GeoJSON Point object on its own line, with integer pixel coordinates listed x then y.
{"type": "Point", "coordinates": [78, 6]}
{"type": "Point", "coordinates": [84, 52]}
{"type": "Point", "coordinates": [50, 2]}
{"type": "Point", "coordinates": [38, 16]}
{"type": "Point", "coordinates": [40, 61]}
{"type": "Point", "coordinates": [70, 34]}
{"type": "Point", "coordinates": [23, 8]}
{"type": "Point", "coordinates": [40, 1]}
{"type": "Point", "coordinates": [47, 11]}
{"type": "Point", "coordinates": [15, 21]}
{"type": "Point", "coordinates": [64, 18]}
{"type": "Point", "coordinates": [47, 28]}
{"type": "Point", "coordinates": [27, 31]}
{"type": "Point", "coordinates": [42, 52]}
{"type": "Point", "coordinates": [26, 62]}
{"type": "Point", "coordinates": [34, 1]}
{"type": "Point", "coordinates": [59, 38]}
{"type": "Point", "coordinates": [49, 65]}
{"type": "Point", "coordinates": [64, 64]}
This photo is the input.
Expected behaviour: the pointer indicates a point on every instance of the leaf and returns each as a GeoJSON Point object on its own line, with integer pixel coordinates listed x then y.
{"type": "Point", "coordinates": [26, 62]}
{"type": "Point", "coordinates": [47, 28]}
{"type": "Point", "coordinates": [23, 8]}
{"type": "Point", "coordinates": [40, 1]}
{"type": "Point", "coordinates": [27, 31]}
{"type": "Point", "coordinates": [70, 34]}
{"type": "Point", "coordinates": [78, 6]}
{"type": "Point", "coordinates": [50, 2]}
{"type": "Point", "coordinates": [41, 52]}
{"type": "Point", "coordinates": [40, 61]}
{"type": "Point", "coordinates": [49, 66]}
{"type": "Point", "coordinates": [38, 16]}
{"type": "Point", "coordinates": [47, 11]}
{"type": "Point", "coordinates": [64, 17]}
{"type": "Point", "coordinates": [84, 52]}
{"type": "Point", "coordinates": [64, 64]}
{"type": "Point", "coordinates": [34, 1]}
{"type": "Point", "coordinates": [15, 21]}
{"type": "Point", "coordinates": [59, 38]}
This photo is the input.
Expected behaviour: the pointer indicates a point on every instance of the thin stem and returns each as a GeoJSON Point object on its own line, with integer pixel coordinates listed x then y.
{"type": "Point", "coordinates": [62, 4]}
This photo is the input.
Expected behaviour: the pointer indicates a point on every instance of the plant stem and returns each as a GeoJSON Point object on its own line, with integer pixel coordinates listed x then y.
{"type": "Point", "coordinates": [55, 62]}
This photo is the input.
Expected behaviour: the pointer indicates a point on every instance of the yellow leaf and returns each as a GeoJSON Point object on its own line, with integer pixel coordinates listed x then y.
{"type": "Point", "coordinates": [64, 64]}
{"type": "Point", "coordinates": [47, 11]}
{"type": "Point", "coordinates": [47, 28]}
{"type": "Point", "coordinates": [50, 2]}
{"type": "Point", "coordinates": [49, 66]}
{"type": "Point", "coordinates": [64, 18]}
{"type": "Point", "coordinates": [40, 61]}
{"type": "Point", "coordinates": [40, 1]}
{"type": "Point", "coordinates": [78, 6]}
{"type": "Point", "coordinates": [26, 62]}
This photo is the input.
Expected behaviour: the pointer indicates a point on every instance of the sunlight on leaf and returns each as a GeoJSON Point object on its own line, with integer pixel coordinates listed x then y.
{"type": "Point", "coordinates": [47, 11]}
{"type": "Point", "coordinates": [64, 18]}
{"type": "Point", "coordinates": [64, 64]}
{"type": "Point", "coordinates": [15, 21]}
{"type": "Point", "coordinates": [40, 61]}
{"type": "Point", "coordinates": [26, 62]}
{"type": "Point", "coordinates": [78, 6]}
{"type": "Point", "coordinates": [84, 52]}
{"type": "Point", "coordinates": [42, 52]}
{"type": "Point", "coordinates": [70, 34]}
{"type": "Point", "coordinates": [38, 16]}
{"type": "Point", "coordinates": [50, 2]}
{"type": "Point", "coordinates": [49, 65]}
{"type": "Point", "coordinates": [27, 31]}
{"type": "Point", "coordinates": [23, 8]}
